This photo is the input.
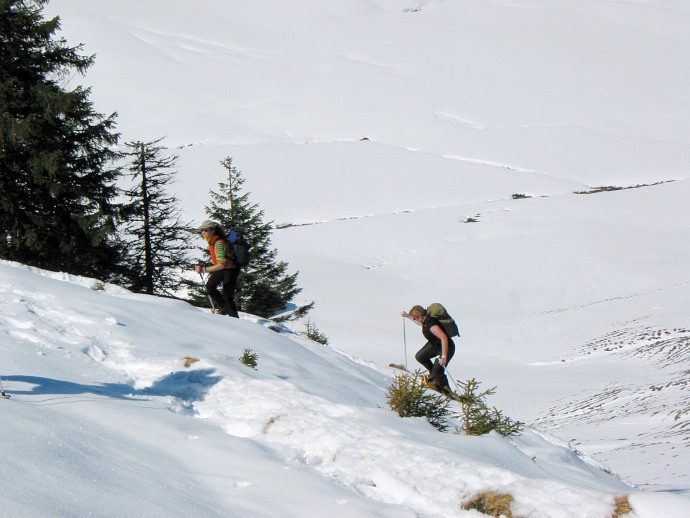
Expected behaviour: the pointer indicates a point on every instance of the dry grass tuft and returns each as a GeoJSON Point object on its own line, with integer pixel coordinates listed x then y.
{"type": "Point", "coordinates": [189, 361]}
{"type": "Point", "coordinates": [491, 503]}
{"type": "Point", "coordinates": [622, 507]}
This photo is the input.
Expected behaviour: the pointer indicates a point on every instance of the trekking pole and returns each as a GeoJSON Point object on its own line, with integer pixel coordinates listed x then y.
{"type": "Point", "coordinates": [451, 379]}
{"type": "Point", "coordinates": [213, 307]}
{"type": "Point", "coordinates": [405, 342]}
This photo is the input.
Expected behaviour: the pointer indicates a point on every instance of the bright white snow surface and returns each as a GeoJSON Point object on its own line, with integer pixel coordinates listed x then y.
{"type": "Point", "coordinates": [106, 420]}
{"type": "Point", "coordinates": [380, 127]}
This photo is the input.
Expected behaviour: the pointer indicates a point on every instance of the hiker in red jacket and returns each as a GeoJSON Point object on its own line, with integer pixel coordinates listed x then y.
{"type": "Point", "coordinates": [223, 270]}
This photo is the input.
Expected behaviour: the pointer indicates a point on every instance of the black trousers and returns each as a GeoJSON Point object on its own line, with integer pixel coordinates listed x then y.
{"type": "Point", "coordinates": [437, 371]}
{"type": "Point", "coordinates": [224, 301]}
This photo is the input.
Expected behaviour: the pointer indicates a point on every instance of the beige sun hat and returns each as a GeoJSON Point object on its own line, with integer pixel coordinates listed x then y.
{"type": "Point", "coordinates": [207, 223]}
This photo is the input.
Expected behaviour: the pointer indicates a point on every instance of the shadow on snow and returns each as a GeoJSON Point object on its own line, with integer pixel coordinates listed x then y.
{"type": "Point", "coordinates": [189, 386]}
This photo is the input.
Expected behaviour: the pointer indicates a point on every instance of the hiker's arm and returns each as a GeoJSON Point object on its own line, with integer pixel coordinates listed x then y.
{"type": "Point", "coordinates": [209, 269]}
{"type": "Point", "coordinates": [224, 255]}
{"type": "Point", "coordinates": [407, 316]}
{"type": "Point", "coordinates": [438, 333]}
{"type": "Point", "coordinates": [221, 256]}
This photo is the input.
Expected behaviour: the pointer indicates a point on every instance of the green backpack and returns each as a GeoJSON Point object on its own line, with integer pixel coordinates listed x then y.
{"type": "Point", "coordinates": [438, 312]}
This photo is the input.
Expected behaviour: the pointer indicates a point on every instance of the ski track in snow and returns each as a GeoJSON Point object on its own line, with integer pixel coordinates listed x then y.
{"type": "Point", "coordinates": [397, 69]}
{"type": "Point", "coordinates": [455, 119]}
{"type": "Point", "coordinates": [612, 299]}
{"type": "Point", "coordinates": [179, 46]}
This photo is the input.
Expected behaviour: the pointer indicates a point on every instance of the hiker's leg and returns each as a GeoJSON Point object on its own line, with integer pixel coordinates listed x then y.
{"type": "Point", "coordinates": [438, 373]}
{"type": "Point", "coordinates": [426, 353]}
{"type": "Point", "coordinates": [214, 279]}
{"type": "Point", "coordinates": [229, 285]}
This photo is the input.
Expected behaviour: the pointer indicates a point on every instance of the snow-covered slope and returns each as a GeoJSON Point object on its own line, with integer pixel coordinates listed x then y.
{"type": "Point", "coordinates": [385, 125]}
{"type": "Point", "coordinates": [105, 419]}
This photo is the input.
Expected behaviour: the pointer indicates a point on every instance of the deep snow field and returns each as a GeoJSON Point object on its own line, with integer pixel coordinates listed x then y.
{"type": "Point", "coordinates": [106, 419]}
{"type": "Point", "coordinates": [372, 132]}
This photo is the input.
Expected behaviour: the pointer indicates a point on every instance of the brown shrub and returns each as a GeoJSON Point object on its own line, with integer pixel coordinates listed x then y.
{"type": "Point", "coordinates": [622, 507]}
{"type": "Point", "coordinates": [491, 503]}
{"type": "Point", "coordinates": [189, 360]}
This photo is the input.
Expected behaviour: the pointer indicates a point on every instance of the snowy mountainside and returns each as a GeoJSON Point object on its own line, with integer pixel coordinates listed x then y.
{"type": "Point", "coordinates": [388, 125]}
{"type": "Point", "coordinates": [591, 93]}
{"type": "Point", "coordinates": [537, 285]}
{"type": "Point", "coordinates": [656, 426]}
{"type": "Point", "coordinates": [105, 412]}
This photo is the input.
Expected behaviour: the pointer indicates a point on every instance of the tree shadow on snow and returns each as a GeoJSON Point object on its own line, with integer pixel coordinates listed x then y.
{"type": "Point", "coordinates": [192, 385]}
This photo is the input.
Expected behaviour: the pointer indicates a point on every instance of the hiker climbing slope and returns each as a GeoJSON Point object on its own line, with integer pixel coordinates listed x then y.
{"type": "Point", "coordinates": [439, 344]}
{"type": "Point", "coordinates": [224, 269]}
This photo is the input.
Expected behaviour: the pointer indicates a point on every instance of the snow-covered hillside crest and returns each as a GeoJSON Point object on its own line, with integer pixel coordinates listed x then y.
{"type": "Point", "coordinates": [106, 419]}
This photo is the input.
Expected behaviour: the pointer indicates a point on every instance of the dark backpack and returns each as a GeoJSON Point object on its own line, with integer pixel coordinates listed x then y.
{"type": "Point", "coordinates": [437, 311]}
{"type": "Point", "coordinates": [240, 246]}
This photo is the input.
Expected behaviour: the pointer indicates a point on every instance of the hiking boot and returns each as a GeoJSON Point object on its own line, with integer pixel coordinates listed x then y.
{"type": "Point", "coordinates": [223, 311]}
{"type": "Point", "coordinates": [444, 389]}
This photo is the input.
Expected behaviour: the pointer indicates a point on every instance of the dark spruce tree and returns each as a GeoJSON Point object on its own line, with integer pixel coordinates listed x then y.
{"type": "Point", "coordinates": [57, 185]}
{"type": "Point", "coordinates": [264, 287]}
{"type": "Point", "coordinates": [159, 244]}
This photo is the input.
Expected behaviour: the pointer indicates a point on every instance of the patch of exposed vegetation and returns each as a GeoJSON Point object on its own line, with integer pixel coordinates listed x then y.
{"type": "Point", "coordinates": [478, 418]}
{"type": "Point", "coordinates": [189, 361]}
{"type": "Point", "coordinates": [623, 507]}
{"type": "Point", "coordinates": [313, 333]}
{"type": "Point", "coordinates": [491, 503]}
{"type": "Point", "coordinates": [249, 358]}
{"type": "Point", "coordinates": [609, 188]}
{"type": "Point", "coordinates": [409, 398]}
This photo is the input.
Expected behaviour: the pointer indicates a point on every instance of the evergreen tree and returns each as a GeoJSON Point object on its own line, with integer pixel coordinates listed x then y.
{"type": "Point", "coordinates": [57, 191]}
{"type": "Point", "coordinates": [264, 287]}
{"type": "Point", "coordinates": [159, 243]}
